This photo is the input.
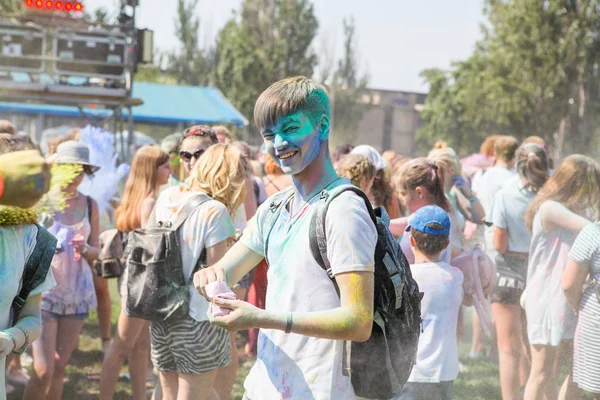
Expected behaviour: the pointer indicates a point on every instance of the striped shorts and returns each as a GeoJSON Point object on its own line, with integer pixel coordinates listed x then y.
{"type": "Point", "coordinates": [189, 347]}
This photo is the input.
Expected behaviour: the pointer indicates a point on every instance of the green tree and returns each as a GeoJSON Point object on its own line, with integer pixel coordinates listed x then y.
{"type": "Point", "coordinates": [11, 6]}
{"type": "Point", "coordinates": [265, 41]}
{"type": "Point", "coordinates": [190, 65]}
{"type": "Point", "coordinates": [348, 89]}
{"type": "Point", "coordinates": [533, 73]}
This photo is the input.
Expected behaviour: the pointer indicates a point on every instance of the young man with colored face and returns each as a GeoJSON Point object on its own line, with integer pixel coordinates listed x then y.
{"type": "Point", "coordinates": [293, 118]}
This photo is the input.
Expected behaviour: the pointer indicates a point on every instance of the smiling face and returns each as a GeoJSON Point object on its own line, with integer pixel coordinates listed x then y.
{"type": "Point", "coordinates": [294, 141]}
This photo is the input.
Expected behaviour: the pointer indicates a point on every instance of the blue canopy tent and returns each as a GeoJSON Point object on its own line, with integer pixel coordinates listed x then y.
{"type": "Point", "coordinates": [162, 104]}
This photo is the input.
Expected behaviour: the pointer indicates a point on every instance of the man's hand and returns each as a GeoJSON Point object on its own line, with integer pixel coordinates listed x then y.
{"type": "Point", "coordinates": [206, 276]}
{"type": "Point", "coordinates": [243, 315]}
{"type": "Point", "coordinates": [26, 178]}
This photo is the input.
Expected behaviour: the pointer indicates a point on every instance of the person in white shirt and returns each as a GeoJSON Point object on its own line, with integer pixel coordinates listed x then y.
{"type": "Point", "coordinates": [442, 284]}
{"type": "Point", "coordinates": [305, 323]}
{"type": "Point", "coordinates": [488, 182]}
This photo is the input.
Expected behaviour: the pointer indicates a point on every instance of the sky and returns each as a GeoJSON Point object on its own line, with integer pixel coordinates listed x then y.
{"type": "Point", "coordinates": [396, 39]}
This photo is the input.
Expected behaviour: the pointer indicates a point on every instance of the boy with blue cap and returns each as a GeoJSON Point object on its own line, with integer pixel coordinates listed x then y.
{"type": "Point", "coordinates": [436, 368]}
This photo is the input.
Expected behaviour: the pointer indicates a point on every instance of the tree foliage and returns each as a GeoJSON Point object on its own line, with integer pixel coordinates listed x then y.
{"type": "Point", "coordinates": [535, 72]}
{"type": "Point", "coordinates": [190, 65]}
{"type": "Point", "coordinates": [347, 89]}
{"type": "Point", "coordinates": [11, 6]}
{"type": "Point", "coordinates": [267, 40]}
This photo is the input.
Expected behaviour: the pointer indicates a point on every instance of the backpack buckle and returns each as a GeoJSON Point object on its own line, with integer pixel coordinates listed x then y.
{"type": "Point", "coordinates": [274, 206]}
{"type": "Point", "coordinates": [324, 194]}
{"type": "Point", "coordinates": [168, 224]}
{"type": "Point", "coordinates": [159, 224]}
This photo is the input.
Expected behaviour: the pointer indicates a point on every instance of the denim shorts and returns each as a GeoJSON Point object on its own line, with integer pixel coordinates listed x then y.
{"type": "Point", "coordinates": [48, 316]}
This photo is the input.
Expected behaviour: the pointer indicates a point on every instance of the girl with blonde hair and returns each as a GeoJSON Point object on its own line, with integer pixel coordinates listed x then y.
{"type": "Point", "coordinates": [561, 209]}
{"type": "Point", "coordinates": [188, 352]}
{"type": "Point", "coordinates": [150, 170]}
{"type": "Point", "coordinates": [358, 169]}
{"type": "Point", "coordinates": [465, 204]}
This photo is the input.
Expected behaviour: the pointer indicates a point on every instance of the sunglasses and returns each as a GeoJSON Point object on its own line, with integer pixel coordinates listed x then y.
{"type": "Point", "coordinates": [202, 131]}
{"type": "Point", "coordinates": [187, 156]}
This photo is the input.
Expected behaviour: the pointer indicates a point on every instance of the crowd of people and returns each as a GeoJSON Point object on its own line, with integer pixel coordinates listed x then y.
{"type": "Point", "coordinates": [534, 226]}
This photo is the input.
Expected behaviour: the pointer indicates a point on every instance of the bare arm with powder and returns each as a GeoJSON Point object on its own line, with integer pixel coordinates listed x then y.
{"type": "Point", "coordinates": [353, 320]}
{"type": "Point", "coordinates": [556, 216]}
{"type": "Point", "coordinates": [29, 321]}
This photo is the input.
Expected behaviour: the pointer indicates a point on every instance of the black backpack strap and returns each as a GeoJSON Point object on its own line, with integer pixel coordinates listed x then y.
{"type": "Point", "coordinates": [185, 212]}
{"type": "Point", "coordinates": [318, 234]}
{"type": "Point", "coordinates": [36, 268]}
{"type": "Point", "coordinates": [89, 208]}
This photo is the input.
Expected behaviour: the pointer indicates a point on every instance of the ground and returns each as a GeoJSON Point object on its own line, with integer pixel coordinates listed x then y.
{"type": "Point", "coordinates": [478, 382]}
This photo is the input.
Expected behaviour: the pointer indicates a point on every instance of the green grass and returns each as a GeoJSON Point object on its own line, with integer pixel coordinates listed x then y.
{"type": "Point", "coordinates": [478, 382]}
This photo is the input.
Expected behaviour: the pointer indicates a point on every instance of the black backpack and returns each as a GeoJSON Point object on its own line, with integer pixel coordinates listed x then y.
{"type": "Point", "coordinates": [36, 269]}
{"type": "Point", "coordinates": [380, 366]}
{"type": "Point", "coordinates": [157, 290]}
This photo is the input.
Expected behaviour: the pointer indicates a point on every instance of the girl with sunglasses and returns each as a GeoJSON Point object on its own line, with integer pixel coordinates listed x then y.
{"type": "Point", "coordinates": [196, 140]}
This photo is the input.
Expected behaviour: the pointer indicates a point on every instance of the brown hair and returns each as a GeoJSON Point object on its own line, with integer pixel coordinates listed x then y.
{"type": "Point", "coordinates": [288, 96]}
{"type": "Point", "coordinates": [341, 150]}
{"type": "Point", "coordinates": [141, 184]}
{"type": "Point", "coordinates": [421, 172]}
{"type": "Point", "coordinates": [532, 165]}
{"type": "Point", "coordinates": [7, 127]}
{"type": "Point", "coordinates": [575, 185]}
{"type": "Point", "coordinates": [382, 190]}
{"type": "Point", "coordinates": [223, 131]}
{"type": "Point", "coordinates": [487, 147]}
{"type": "Point", "coordinates": [52, 144]}
{"type": "Point", "coordinates": [429, 244]}
{"type": "Point", "coordinates": [221, 173]}
{"type": "Point", "coordinates": [357, 168]}
{"type": "Point", "coordinates": [505, 148]}
{"type": "Point", "coordinates": [447, 159]}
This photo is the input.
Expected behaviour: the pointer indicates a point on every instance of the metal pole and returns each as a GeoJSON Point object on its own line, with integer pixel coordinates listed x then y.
{"type": "Point", "coordinates": [129, 83]}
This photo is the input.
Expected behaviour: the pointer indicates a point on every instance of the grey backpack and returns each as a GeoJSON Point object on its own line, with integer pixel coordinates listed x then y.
{"type": "Point", "coordinates": [157, 289]}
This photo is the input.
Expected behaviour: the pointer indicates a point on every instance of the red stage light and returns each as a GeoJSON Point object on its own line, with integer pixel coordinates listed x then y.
{"type": "Point", "coordinates": [29, 3]}
{"type": "Point", "coordinates": [58, 5]}
{"type": "Point", "coordinates": [49, 5]}
{"type": "Point", "coordinates": [39, 4]}
{"type": "Point", "coordinates": [68, 6]}
{"type": "Point", "coordinates": [78, 7]}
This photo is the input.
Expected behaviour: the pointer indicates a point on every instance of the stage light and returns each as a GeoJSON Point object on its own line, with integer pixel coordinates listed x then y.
{"type": "Point", "coordinates": [78, 7]}
{"type": "Point", "coordinates": [49, 5]}
{"type": "Point", "coordinates": [58, 5]}
{"type": "Point", "coordinates": [39, 4]}
{"type": "Point", "coordinates": [29, 3]}
{"type": "Point", "coordinates": [68, 6]}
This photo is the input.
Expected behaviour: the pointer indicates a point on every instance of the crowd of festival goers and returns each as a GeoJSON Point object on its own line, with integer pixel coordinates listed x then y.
{"type": "Point", "coordinates": [535, 218]}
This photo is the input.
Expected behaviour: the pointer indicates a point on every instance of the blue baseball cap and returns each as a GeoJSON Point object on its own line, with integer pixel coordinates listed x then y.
{"type": "Point", "coordinates": [429, 219]}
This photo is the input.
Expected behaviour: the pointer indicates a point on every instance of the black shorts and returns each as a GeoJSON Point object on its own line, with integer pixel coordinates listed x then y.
{"type": "Point", "coordinates": [510, 279]}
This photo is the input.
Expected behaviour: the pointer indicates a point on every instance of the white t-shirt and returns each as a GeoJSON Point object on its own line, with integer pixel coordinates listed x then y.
{"type": "Point", "coordinates": [207, 226]}
{"type": "Point", "coordinates": [16, 245]}
{"type": "Point", "coordinates": [508, 210]}
{"type": "Point", "coordinates": [437, 354]}
{"type": "Point", "coordinates": [486, 184]}
{"type": "Point", "coordinates": [292, 366]}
